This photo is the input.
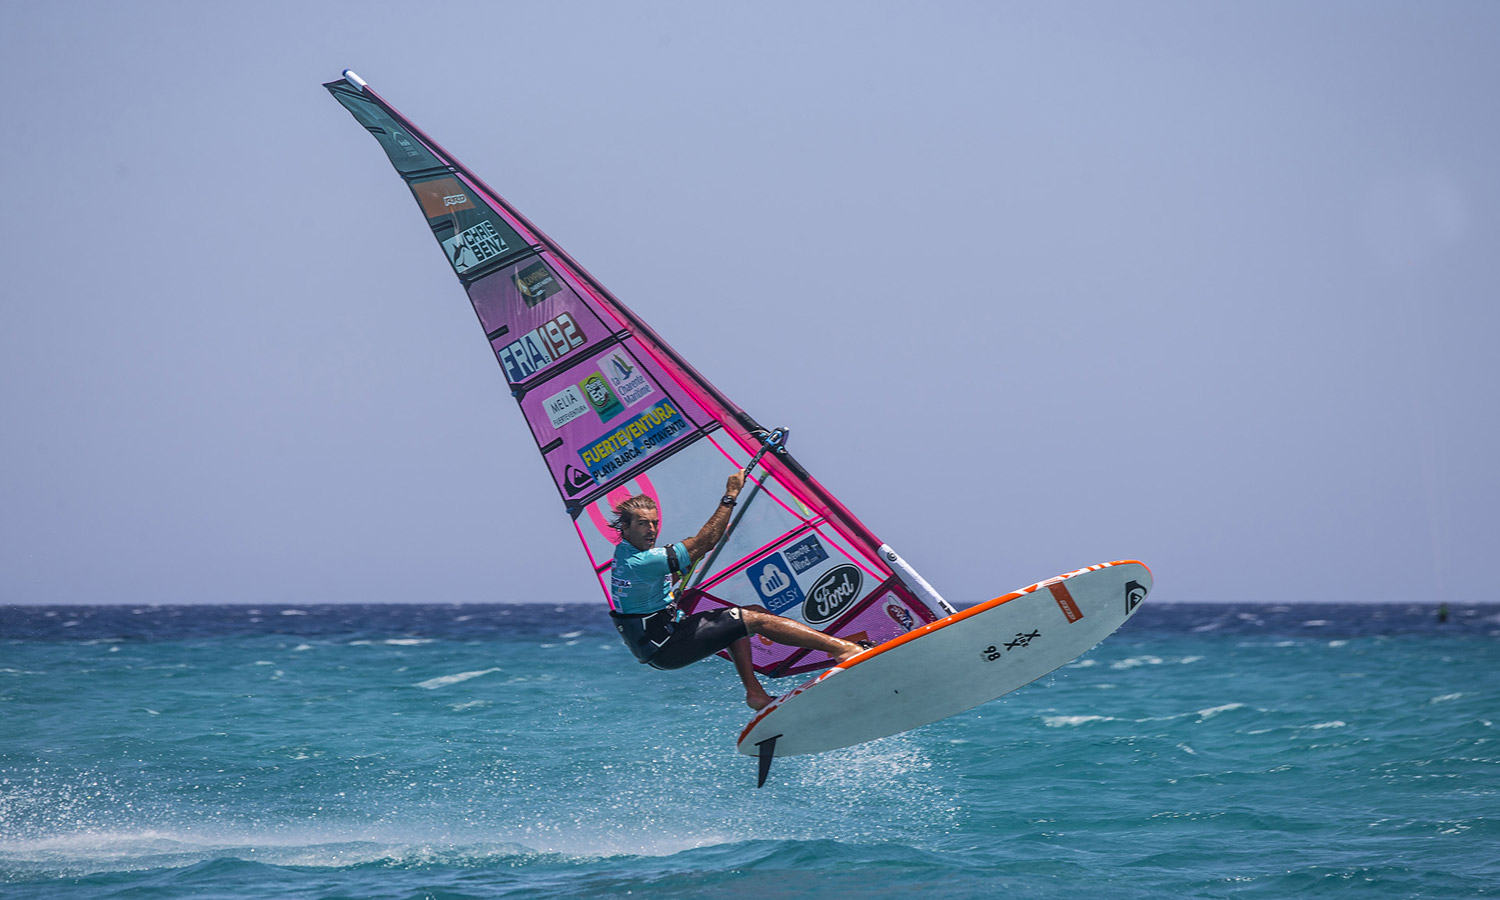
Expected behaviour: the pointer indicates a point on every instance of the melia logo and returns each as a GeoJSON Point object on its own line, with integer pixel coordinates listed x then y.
{"type": "Point", "coordinates": [833, 593]}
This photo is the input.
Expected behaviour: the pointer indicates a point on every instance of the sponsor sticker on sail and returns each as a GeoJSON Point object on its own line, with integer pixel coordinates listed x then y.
{"type": "Point", "coordinates": [575, 481]}
{"type": "Point", "coordinates": [536, 283]}
{"type": "Point", "coordinates": [442, 197]}
{"type": "Point", "coordinates": [630, 384]}
{"type": "Point", "coordinates": [565, 406]}
{"type": "Point", "coordinates": [635, 439]}
{"type": "Point", "coordinates": [604, 401]}
{"type": "Point", "coordinates": [805, 554]}
{"type": "Point", "coordinates": [774, 583]}
{"type": "Point", "coordinates": [539, 348]}
{"type": "Point", "coordinates": [474, 246]}
{"type": "Point", "coordinates": [835, 591]}
{"type": "Point", "coordinates": [900, 614]}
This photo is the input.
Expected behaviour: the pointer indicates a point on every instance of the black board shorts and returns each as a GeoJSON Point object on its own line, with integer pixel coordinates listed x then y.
{"type": "Point", "coordinates": [700, 636]}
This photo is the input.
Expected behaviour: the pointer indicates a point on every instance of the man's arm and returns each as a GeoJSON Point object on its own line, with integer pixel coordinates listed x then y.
{"type": "Point", "coordinates": [713, 529]}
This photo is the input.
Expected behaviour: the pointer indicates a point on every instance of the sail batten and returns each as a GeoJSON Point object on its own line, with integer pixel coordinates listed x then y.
{"type": "Point", "coordinates": [615, 411]}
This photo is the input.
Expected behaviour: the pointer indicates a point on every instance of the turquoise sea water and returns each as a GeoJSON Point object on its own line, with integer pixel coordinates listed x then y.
{"type": "Point", "coordinates": [514, 751]}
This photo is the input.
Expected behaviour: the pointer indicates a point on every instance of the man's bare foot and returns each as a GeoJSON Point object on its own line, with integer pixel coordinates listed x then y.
{"type": "Point", "coordinates": [758, 701]}
{"type": "Point", "coordinates": [853, 651]}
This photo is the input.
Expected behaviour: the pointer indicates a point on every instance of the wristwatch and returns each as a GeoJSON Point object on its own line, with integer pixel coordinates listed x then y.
{"type": "Point", "coordinates": [726, 500]}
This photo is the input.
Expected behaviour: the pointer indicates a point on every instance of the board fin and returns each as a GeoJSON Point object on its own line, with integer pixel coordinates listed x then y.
{"type": "Point", "coordinates": [767, 750]}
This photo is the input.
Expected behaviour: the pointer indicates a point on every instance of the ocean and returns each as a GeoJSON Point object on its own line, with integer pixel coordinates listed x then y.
{"type": "Point", "coordinates": [442, 752]}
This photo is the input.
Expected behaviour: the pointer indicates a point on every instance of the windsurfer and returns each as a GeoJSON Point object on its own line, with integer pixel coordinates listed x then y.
{"type": "Point", "coordinates": [647, 617]}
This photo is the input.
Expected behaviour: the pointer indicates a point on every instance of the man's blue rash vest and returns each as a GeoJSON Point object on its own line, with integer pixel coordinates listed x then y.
{"type": "Point", "coordinates": [640, 585]}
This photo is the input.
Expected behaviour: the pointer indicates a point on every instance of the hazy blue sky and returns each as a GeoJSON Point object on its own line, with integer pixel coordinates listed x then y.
{"type": "Point", "coordinates": [1034, 286]}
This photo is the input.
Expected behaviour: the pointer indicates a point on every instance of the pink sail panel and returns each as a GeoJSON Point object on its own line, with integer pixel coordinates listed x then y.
{"type": "Point", "coordinates": [885, 613]}
{"type": "Point", "coordinates": [615, 411]}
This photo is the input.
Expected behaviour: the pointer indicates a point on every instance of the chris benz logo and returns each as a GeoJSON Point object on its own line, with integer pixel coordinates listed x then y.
{"type": "Point", "coordinates": [832, 594]}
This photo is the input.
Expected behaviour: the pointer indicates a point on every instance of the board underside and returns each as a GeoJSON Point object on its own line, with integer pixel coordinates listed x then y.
{"type": "Point", "coordinates": [954, 664]}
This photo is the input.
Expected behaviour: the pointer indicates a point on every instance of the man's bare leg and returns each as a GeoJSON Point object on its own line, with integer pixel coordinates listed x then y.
{"type": "Point", "coordinates": [755, 695]}
{"type": "Point", "coordinates": [789, 631]}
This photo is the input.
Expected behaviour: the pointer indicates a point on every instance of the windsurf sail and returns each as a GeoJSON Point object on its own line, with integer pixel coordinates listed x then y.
{"type": "Point", "coordinates": [615, 411]}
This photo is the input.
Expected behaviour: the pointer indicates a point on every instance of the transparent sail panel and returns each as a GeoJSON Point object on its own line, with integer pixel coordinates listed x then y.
{"type": "Point", "coordinates": [686, 486]}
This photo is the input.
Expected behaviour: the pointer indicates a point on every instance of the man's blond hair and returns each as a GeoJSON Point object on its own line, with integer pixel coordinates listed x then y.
{"type": "Point", "coordinates": [627, 508]}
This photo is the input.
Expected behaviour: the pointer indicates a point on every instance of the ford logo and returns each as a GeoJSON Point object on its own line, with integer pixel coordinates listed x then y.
{"type": "Point", "coordinates": [833, 593]}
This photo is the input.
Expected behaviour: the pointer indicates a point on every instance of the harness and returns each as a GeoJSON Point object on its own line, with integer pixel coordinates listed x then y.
{"type": "Point", "coordinates": [644, 633]}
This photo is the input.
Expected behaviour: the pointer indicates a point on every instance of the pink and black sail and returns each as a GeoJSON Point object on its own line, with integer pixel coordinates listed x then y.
{"type": "Point", "coordinates": [615, 411]}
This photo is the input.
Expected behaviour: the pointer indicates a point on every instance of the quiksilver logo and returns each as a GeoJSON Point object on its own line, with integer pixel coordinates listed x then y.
{"type": "Point", "coordinates": [833, 593]}
{"type": "Point", "coordinates": [575, 480]}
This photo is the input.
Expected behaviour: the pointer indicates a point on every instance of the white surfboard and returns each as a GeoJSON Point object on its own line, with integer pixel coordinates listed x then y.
{"type": "Point", "coordinates": [950, 665]}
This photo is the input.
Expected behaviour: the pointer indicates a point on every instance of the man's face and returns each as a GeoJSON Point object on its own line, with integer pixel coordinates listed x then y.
{"type": "Point", "coordinates": [641, 532]}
